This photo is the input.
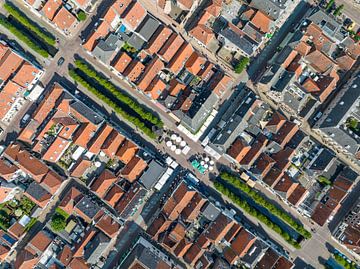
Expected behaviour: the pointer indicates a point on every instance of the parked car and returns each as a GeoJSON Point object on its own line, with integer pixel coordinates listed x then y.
{"type": "Point", "coordinates": [60, 61]}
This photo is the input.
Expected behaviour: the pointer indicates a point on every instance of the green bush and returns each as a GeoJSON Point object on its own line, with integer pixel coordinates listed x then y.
{"type": "Point", "coordinates": [260, 200]}
{"type": "Point", "coordinates": [342, 261]}
{"type": "Point", "coordinates": [23, 37]}
{"type": "Point", "coordinates": [329, 5]}
{"type": "Point", "coordinates": [254, 212]}
{"type": "Point", "coordinates": [338, 10]}
{"type": "Point", "coordinates": [62, 212]}
{"type": "Point", "coordinates": [324, 180]}
{"type": "Point", "coordinates": [27, 23]}
{"type": "Point", "coordinates": [241, 65]}
{"type": "Point", "coordinates": [58, 223]}
{"type": "Point", "coordinates": [123, 98]}
{"type": "Point", "coordinates": [81, 16]}
{"type": "Point", "coordinates": [134, 120]}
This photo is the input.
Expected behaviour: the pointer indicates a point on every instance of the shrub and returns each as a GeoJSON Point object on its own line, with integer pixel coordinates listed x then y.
{"type": "Point", "coordinates": [121, 97]}
{"type": "Point", "coordinates": [27, 23]}
{"type": "Point", "coordinates": [342, 261]}
{"type": "Point", "coordinates": [338, 10]}
{"type": "Point", "coordinates": [23, 37]}
{"type": "Point", "coordinates": [324, 180]}
{"type": "Point", "coordinates": [58, 223]}
{"type": "Point", "coordinates": [81, 15]}
{"type": "Point", "coordinates": [260, 200]}
{"type": "Point", "coordinates": [241, 65]}
{"type": "Point", "coordinates": [254, 212]}
{"type": "Point", "coordinates": [134, 120]}
{"type": "Point", "coordinates": [329, 5]}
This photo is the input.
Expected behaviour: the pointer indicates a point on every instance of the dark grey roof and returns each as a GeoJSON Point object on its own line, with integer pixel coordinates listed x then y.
{"type": "Point", "coordinates": [200, 110]}
{"type": "Point", "coordinates": [271, 74]}
{"type": "Point", "coordinates": [148, 27]}
{"type": "Point", "coordinates": [86, 206]}
{"type": "Point", "coordinates": [95, 248]}
{"type": "Point", "coordinates": [243, 42]}
{"type": "Point", "coordinates": [349, 174]}
{"type": "Point", "coordinates": [284, 80]}
{"type": "Point", "coordinates": [136, 41]}
{"type": "Point", "coordinates": [252, 32]}
{"type": "Point", "coordinates": [254, 254]}
{"type": "Point", "coordinates": [323, 160]}
{"type": "Point", "coordinates": [103, 51]}
{"type": "Point", "coordinates": [211, 212]}
{"type": "Point", "coordinates": [88, 113]}
{"type": "Point", "coordinates": [272, 8]}
{"type": "Point", "coordinates": [37, 191]}
{"type": "Point", "coordinates": [283, 55]}
{"type": "Point", "coordinates": [152, 174]}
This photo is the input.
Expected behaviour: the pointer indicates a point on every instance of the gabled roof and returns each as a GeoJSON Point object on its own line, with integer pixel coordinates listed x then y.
{"type": "Point", "coordinates": [114, 195]}
{"type": "Point", "coordinates": [202, 33]}
{"type": "Point", "coordinates": [52, 181]}
{"type": "Point", "coordinates": [40, 241]}
{"type": "Point", "coordinates": [65, 255]}
{"type": "Point", "coordinates": [134, 70]}
{"type": "Point", "coordinates": [26, 74]}
{"type": "Point", "coordinates": [112, 143]}
{"type": "Point", "coordinates": [126, 151]}
{"type": "Point", "coordinates": [87, 209]}
{"type": "Point", "coordinates": [64, 19]}
{"type": "Point", "coordinates": [99, 138]}
{"type": "Point", "coordinates": [56, 150]}
{"type": "Point", "coordinates": [50, 8]}
{"type": "Point", "coordinates": [158, 40]}
{"type": "Point", "coordinates": [7, 169]}
{"type": "Point", "coordinates": [180, 58]}
{"type": "Point", "coordinates": [261, 21]}
{"type": "Point", "coordinates": [156, 88]}
{"type": "Point", "coordinates": [219, 228]}
{"type": "Point", "coordinates": [238, 149]}
{"type": "Point", "coordinates": [195, 63]}
{"type": "Point", "coordinates": [133, 169]}
{"type": "Point", "coordinates": [108, 225]}
{"type": "Point", "coordinates": [72, 197]}
{"type": "Point", "coordinates": [9, 62]}
{"type": "Point", "coordinates": [172, 45]}
{"type": "Point", "coordinates": [134, 15]}
{"type": "Point", "coordinates": [151, 71]}
{"type": "Point", "coordinates": [25, 259]}
{"type": "Point", "coordinates": [103, 182]}
{"type": "Point", "coordinates": [80, 167]}
{"type": "Point", "coordinates": [38, 194]}
{"type": "Point", "coordinates": [101, 31]}
{"type": "Point", "coordinates": [122, 62]}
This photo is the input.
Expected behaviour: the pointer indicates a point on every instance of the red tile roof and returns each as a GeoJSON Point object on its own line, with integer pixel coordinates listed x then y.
{"type": "Point", "coordinates": [99, 138]}
{"type": "Point", "coordinates": [285, 133]}
{"type": "Point", "coordinates": [219, 228]}
{"type": "Point", "coordinates": [103, 182]}
{"type": "Point", "coordinates": [122, 61]}
{"type": "Point", "coordinates": [50, 8]}
{"type": "Point", "coordinates": [7, 169]}
{"type": "Point", "coordinates": [112, 143]}
{"type": "Point", "coordinates": [158, 40]}
{"type": "Point", "coordinates": [171, 46]}
{"type": "Point", "coordinates": [114, 195]}
{"type": "Point", "coordinates": [134, 70]}
{"type": "Point", "coordinates": [202, 33]}
{"type": "Point", "coordinates": [52, 181]}
{"type": "Point", "coordinates": [127, 151]}
{"type": "Point", "coordinates": [182, 55]}
{"type": "Point", "coordinates": [108, 225]}
{"type": "Point", "coordinates": [26, 74]}
{"type": "Point", "coordinates": [261, 21]}
{"type": "Point", "coordinates": [56, 150]}
{"type": "Point", "coordinates": [255, 151]}
{"type": "Point", "coordinates": [40, 241]}
{"type": "Point", "coordinates": [192, 210]}
{"type": "Point", "coordinates": [64, 19]}
{"type": "Point", "coordinates": [195, 63]}
{"type": "Point", "coordinates": [101, 31]}
{"type": "Point", "coordinates": [65, 255]}
{"type": "Point", "coordinates": [238, 149]}
{"type": "Point", "coordinates": [156, 88]}
{"type": "Point", "coordinates": [133, 169]}
{"type": "Point", "coordinates": [72, 197]}
{"type": "Point", "coordinates": [80, 167]}
{"type": "Point", "coordinates": [274, 124]}
{"type": "Point", "coordinates": [151, 71]}
{"type": "Point", "coordinates": [134, 15]}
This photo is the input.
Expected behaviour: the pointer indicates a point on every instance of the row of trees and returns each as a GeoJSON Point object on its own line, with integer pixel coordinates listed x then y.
{"type": "Point", "coordinates": [260, 200]}
{"type": "Point", "coordinates": [343, 262]}
{"type": "Point", "coordinates": [28, 24]}
{"type": "Point", "coordinates": [21, 35]}
{"type": "Point", "coordinates": [134, 120]}
{"type": "Point", "coordinates": [255, 213]}
{"type": "Point", "coordinates": [123, 98]}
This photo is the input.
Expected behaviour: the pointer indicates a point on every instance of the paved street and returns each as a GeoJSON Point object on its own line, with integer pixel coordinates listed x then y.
{"type": "Point", "coordinates": [68, 47]}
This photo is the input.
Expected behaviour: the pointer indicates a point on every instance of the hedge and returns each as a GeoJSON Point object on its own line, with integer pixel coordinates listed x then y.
{"type": "Point", "coordinates": [23, 37]}
{"type": "Point", "coordinates": [134, 120]}
{"type": "Point", "coordinates": [121, 97]}
{"type": "Point", "coordinates": [255, 213]}
{"type": "Point", "coordinates": [27, 23]}
{"type": "Point", "coordinates": [260, 200]}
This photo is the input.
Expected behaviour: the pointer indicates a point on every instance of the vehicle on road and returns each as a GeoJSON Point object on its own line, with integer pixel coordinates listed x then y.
{"type": "Point", "coordinates": [25, 119]}
{"type": "Point", "coordinates": [60, 61]}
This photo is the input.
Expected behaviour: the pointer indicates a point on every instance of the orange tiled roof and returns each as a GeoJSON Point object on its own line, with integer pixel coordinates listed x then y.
{"type": "Point", "coordinates": [238, 149]}
{"type": "Point", "coordinates": [151, 71]}
{"type": "Point", "coordinates": [181, 56]}
{"type": "Point", "coordinates": [171, 46]}
{"type": "Point", "coordinates": [214, 8]}
{"type": "Point", "coordinates": [64, 19]}
{"type": "Point", "coordinates": [7, 169]}
{"type": "Point", "coordinates": [25, 75]}
{"type": "Point", "coordinates": [261, 21]}
{"type": "Point", "coordinates": [122, 62]}
{"type": "Point", "coordinates": [8, 96]}
{"type": "Point", "coordinates": [9, 62]}
{"type": "Point", "coordinates": [156, 88]}
{"type": "Point", "coordinates": [101, 31]}
{"type": "Point", "coordinates": [50, 8]}
{"type": "Point", "coordinates": [195, 63]}
{"type": "Point", "coordinates": [176, 87]}
{"type": "Point", "coordinates": [112, 143]}
{"type": "Point", "coordinates": [134, 70]}
{"type": "Point", "coordinates": [114, 194]}
{"type": "Point", "coordinates": [72, 197]}
{"type": "Point", "coordinates": [103, 182]}
{"type": "Point", "coordinates": [65, 255]}
{"type": "Point", "coordinates": [99, 138]}
{"type": "Point", "coordinates": [25, 260]}
{"type": "Point", "coordinates": [56, 149]}
{"type": "Point", "coordinates": [127, 151]}
{"type": "Point", "coordinates": [84, 134]}
{"type": "Point", "coordinates": [80, 167]}
{"type": "Point", "coordinates": [82, 3]}
{"type": "Point", "coordinates": [135, 15]}
{"type": "Point", "coordinates": [133, 169]}
{"type": "Point", "coordinates": [120, 6]}
{"type": "Point", "coordinates": [202, 33]}
{"type": "Point", "coordinates": [40, 241]}
{"type": "Point", "coordinates": [108, 225]}
{"type": "Point", "coordinates": [52, 181]}
{"type": "Point", "coordinates": [158, 40]}
{"type": "Point", "coordinates": [78, 263]}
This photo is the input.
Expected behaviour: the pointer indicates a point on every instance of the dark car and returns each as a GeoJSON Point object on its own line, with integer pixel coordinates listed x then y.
{"type": "Point", "coordinates": [60, 61]}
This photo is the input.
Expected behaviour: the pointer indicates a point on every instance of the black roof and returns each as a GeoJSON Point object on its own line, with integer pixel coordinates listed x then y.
{"type": "Point", "coordinates": [86, 206]}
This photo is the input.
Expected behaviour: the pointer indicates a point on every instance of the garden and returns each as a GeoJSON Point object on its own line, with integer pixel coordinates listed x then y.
{"type": "Point", "coordinates": [15, 208]}
{"type": "Point", "coordinates": [59, 220]}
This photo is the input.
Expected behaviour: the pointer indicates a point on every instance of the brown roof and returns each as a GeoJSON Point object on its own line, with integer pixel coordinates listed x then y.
{"type": "Point", "coordinates": [133, 169]}
{"type": "Point", "coordinates": [99, 138]}
{"type": "Point", "coordinates": [50, 8]}
{"type": "Point", "coordinates": [134, 15]}
{"type": "Point", "coordinates": [70, 200]}
{"type": "Point", "coordinates": [40, 241]}
{"type": "Point", "coordinates": [192, 210]}
{"type": "Point", "coordinates": [26, 161]}
{"type": "Point", "coordinates": [276, 121]}
{"type": "Point", "coordinates": [25, 259]}
{"type": "Point", "coordinates": [103, 182]}
{"type": "Point", "coordinates": [177, 232]}
{"type": "Point", "coordinates": [232, 232]}
{"type": "Point", "coordinates": [182, 247]}
{"type": "Point", "coordinates": [261, 21]}
{"type": "Point", "coordinates": [321, 214]}
{"type": "Point", "coordinates": [238, 149]}
{"type": "Point", "coordinates": [178, 201]}
{"type": "Point", "coordinates": [80, 246]}
{"type": "Point", "coordinates": [285, 186]}
{"type": "Point", "coordinates": [108, 225]}
{"type": "Point", "coordinates": [114, 195]}
{"type": "Point", "coordinates": [263, 164]}
{"type": "Point", "coordinates": [273, 176]}
{"type": "Point", "coordinates": [122, 62]}
{"type": "Point", "coordinates": [283, 263]}
{"type": "Point", "coordinates": [207, 72]}
{"type": "Point", "coordinates": [52, 181]}
{"type": "Point", "coordinates": [127, 151]}
{"type": "Point", "coordinates": [172, 45]}
{"type": "Point", "coordinates": [343, 183]}
{"type": "Point", "coordinates": [7, 169]}
{"type": "Point", "coordinates": [320, 62]}
{"type": "Point", "coordinates": [112, 143]}
{"type": "Point", "coordinates": [214, 7]}
{"type": "Point", "coordinates": [151, 71]}
{"type": "Point", "coordinates": [255, 151]}
{"type": "Point", "coordinates": [283, 157]}
{"type": "Point", "coordinates": [158, 39]}
{"type": "Point", "coordinates": [242, 242]}
{"type": "Point", "coordinates": [219, 228]}
{"type": "Point", "coordinates": [159, 225]}
{"type": "Point", "coordinates": [193, 254]}
{"type": "Point", "coordinates": [268, 260]}
{"type": "Point", "coordinates": [65, 255]}
{"type": "Point", "coordinates": [16, 230]}
{"type": "Point", "coordinates": [303, 48]}
{"type": "Point", "coordinates": [64, 19]}
{"type": "Point", "coordinates": [78, 263]}
{"type": "Point", "coordinates": [337, 194]}
{"type": "Point", "coordinates": [345, 61]}
{"type": "Point", "coordinates": [286, 132]}
{"type": "Point", "coordinates": [80, 167]}
{"type": "Point", "coordinates": [134, 70]}
{"type": "Point", "coordinates": [297, 196]}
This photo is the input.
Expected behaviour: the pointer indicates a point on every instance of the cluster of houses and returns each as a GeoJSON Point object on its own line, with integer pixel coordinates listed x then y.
{"type": "Point", "coordinates": [61, 14]}
{"type": "Point", "coordinates": [190, 227]}
{"type": "Point", "coordinates": [157, 61]}
{"type": "Point", "coordinates": [18, 77]}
